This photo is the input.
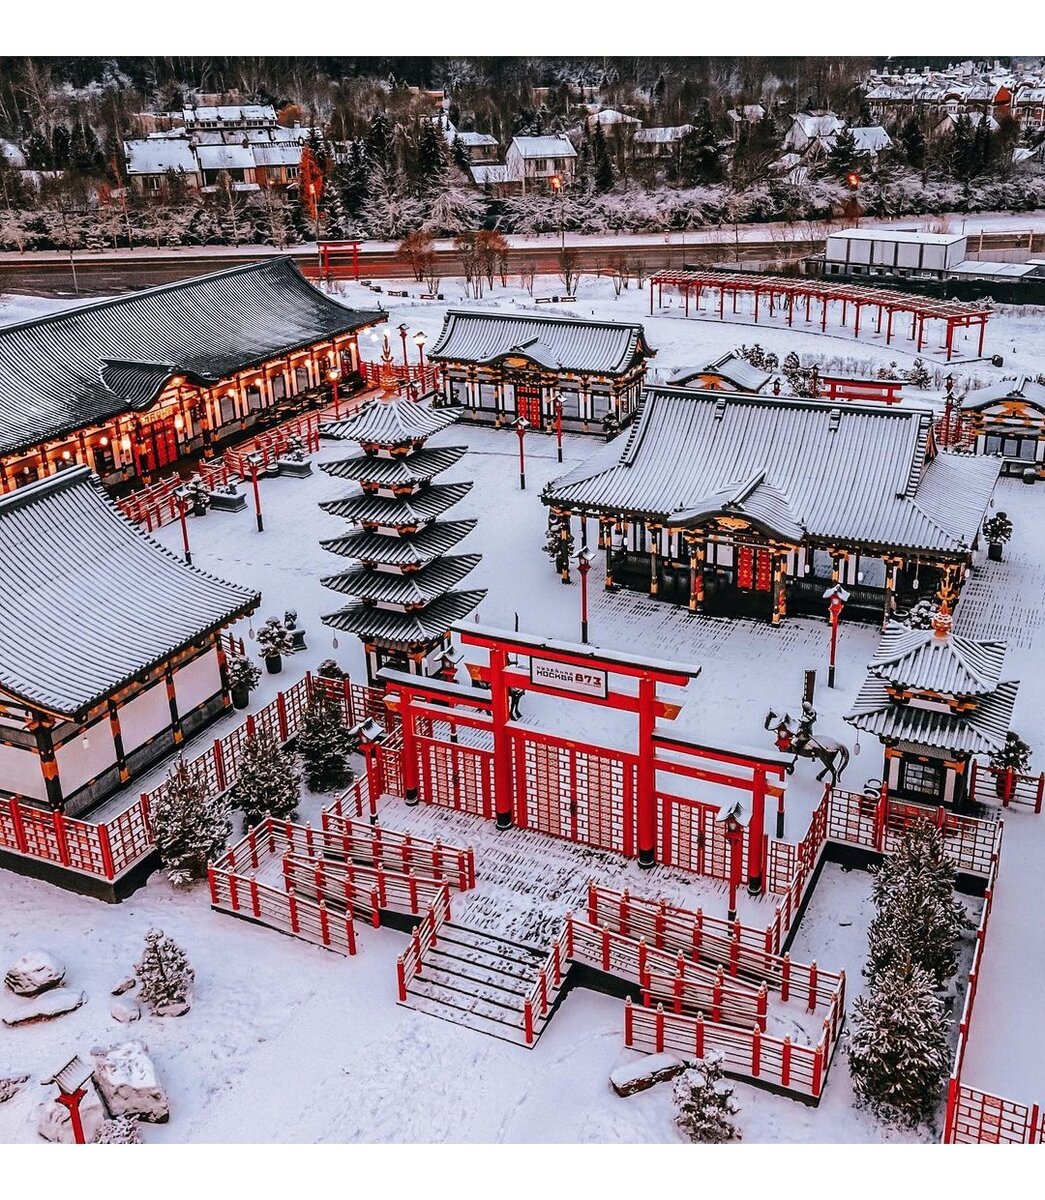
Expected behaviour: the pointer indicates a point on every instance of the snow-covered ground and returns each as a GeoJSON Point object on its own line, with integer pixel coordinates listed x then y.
{"type": "Point", "coordinates": [286, 1042]}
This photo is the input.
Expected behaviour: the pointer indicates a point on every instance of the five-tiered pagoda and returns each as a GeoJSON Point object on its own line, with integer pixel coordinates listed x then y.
{"type": "Point", "coordinates": [404, 581]}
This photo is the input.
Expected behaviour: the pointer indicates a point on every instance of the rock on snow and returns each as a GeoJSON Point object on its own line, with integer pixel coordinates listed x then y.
{"type": "Point", "coordinates": [55, 1003]}
{"type": "Point", "coordinates": [34, 972]}
{"type": "Point", "coordinates": [126, 1078]}
{"type": "Point", "coordinates": [651, 1069]}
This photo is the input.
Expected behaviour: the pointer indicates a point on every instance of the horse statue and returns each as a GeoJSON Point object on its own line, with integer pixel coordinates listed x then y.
{"type": "Point", "coordinates": [797, 738]}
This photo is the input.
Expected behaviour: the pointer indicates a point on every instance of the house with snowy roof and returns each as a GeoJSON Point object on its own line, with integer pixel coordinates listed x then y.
{"type": "Point", "coordinates": [659, 141]}
{"type": "Point", "coordinates": [807, 127]}
{"type": "Point", "coordinates": [1007, 419]}
{"type": "Point", "coordinates": [934, 700]}
{"type": "Point", "coordinates": [111, 655]}
{"type": "Point", "coordinates": [534, 162]}
{"type": "Point", "coordinates": [755, 505]}
{"type": "Point", "coordinates": [727, 373]}
{"type": "Point", "coordinates": [502, 366]}
{"type": "Point", "coordinates": [481, 147]}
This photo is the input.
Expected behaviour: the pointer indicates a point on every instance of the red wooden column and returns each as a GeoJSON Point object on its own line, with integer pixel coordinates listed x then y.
{"type": "Point", "coordinates": [756, 840]}
{"type": "Point", "coordinates": [408, 755]}
{"type": "Point", "coordinates": [646, 775]}
{"type": "Point", "coordinates": [983, 330]}
{"type": "Point", "coordinates": [502, 748]}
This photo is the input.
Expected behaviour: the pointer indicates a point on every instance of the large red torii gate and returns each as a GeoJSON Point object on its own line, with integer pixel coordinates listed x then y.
{"type": "Point", "coordinates": [593, 676]}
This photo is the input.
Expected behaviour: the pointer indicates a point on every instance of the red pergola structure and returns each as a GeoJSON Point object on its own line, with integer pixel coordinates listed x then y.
{"type": "Point", "coordinates": [776, 290]}
{"type": "Point", "coordinates": [623, 682]}
{"type": "Point", "coordinates": [860, 391]}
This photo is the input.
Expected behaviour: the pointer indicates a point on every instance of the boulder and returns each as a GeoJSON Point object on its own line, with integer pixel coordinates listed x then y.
{"type": "Point", "coordinates": [55, 1003]}
{"type": "Point", "coordinates": [125, 1011]}
{"type": "Point", "coordinates": [178, 1009]}
{"type": "Point", "coordinates": [35, 972]}
{"type": "Point", "coordinates": [124, 985]}
{"type": "Point", "coordinates": [126, 1078]}
{"type": "Point", "coordinates": [10, 1086]}
{"type": "Point", "coordinates": [53, 1123]}
{"type": "Point", "coordinates": [647, 1071]}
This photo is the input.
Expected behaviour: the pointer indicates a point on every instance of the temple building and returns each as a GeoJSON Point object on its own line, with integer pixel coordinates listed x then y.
{"type": "Point", "coordinates": [501, 367]}
{"type": "Point", "coordinates": [110, 656]}
{"type": "Point", "coordinates": [404, 581]}
{"type": "Point", "coordinates": [1008, 419]}
{"type": "Point", "coordinates": [133, 384]}
{"type": "Point", "coordinates": [934, 700]}
{"type": "Point", "coordinates": [755, 505]}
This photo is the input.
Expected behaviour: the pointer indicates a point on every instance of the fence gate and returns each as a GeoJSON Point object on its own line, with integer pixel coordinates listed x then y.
{"type": "Point", "coordinates": [456, 776]}
{"type": "Point", "coordinates": [692, 839]}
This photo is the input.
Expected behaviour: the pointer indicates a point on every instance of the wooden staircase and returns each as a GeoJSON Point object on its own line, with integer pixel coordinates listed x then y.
{"type": "Point", "coordinates": [482, 981]}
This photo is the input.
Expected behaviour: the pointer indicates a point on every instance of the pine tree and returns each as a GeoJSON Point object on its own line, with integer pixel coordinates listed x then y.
{"type": "Point", "coordinates": [163, 972]}
{"type": "Point", "coordinates": [266, 782]}
{"type": "Point", "coordinates": [118, 1131]}
{"type": "Point", "coordinates": [704, 1103]}
{"type": "Point", "coordinates": [602, 167]}
{"type": "Point", "coordinates": [898, 1048]}
{"type": "Point", "coordinates": [431, 164]}
{"type": "Point", "coordinates": [459, 154]}
{"type": "Point", "coordinates": [841, 158]}
{"type": "Point", "coordinates": [379, 141]}
{"type": "Point", "coordinates": [918, 376]}
{"type": "Point", "coordinates": [191, 826]}
{"type": "Point", "coordinates": [912, 140]}
{"type": "Point", "coordinates": [324, 745]}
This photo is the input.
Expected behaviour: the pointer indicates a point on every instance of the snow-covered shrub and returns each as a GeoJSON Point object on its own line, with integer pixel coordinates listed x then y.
{"type": "Point", "coordinates": [191, 826]}
{"type": "Point", "coordinates": [274, 639]}
{"type": "Point", "coordinates": [242, 672]}
{"type": "Point", "coordinates": [998, 529]}
{"type": "Point", "coordinates": [918, 376]}
{"type": "Point", "coordinates": [920, 615]}
{"type": "Point", "coordinates": [764, 360]}
{"type": "Point", "coordinates": [704, 1103]}
{"type": "Point", "coordinates": [1013, 755]}
{"type": "Point", "coordinates": [324, 744]}
{"type": "Point", "coordinates": [897, 1045]}
{"type": "Point", "coordinates": [266, 782]}
{"type": "Point", "coordinates": [163, 972]}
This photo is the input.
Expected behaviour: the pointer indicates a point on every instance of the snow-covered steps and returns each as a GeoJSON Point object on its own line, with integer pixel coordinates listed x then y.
{"type": "Point", "coordinates": [487, 983]}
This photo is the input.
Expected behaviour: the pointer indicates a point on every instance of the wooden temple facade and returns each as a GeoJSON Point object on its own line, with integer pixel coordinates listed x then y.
{"type": "Point", "coordinates": [755, 505]}
{"type": "Point", "coordinates": [131, 385]}
{"type": "Point", "coordinates": [934, 700]}
{"type": "Point", "coordinates": [1007, 420]}
{"type": "Point", "coordinates": [111, 653]}
{"type": "Point", "coordinates": [404, 581]}
{"type": "Point", "coordinates": [499, 367]}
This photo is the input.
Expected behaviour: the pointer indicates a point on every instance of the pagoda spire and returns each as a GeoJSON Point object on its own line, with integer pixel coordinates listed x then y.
{"type": "Point", "coordinates": [404, 582]}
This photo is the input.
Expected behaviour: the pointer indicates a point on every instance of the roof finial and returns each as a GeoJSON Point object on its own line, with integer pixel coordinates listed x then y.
{"type": "Point", "coordinates": [941, 620]}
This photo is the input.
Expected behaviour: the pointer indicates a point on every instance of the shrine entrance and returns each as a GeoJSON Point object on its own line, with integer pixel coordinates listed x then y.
{"type": "Point", "coordinates": [528, 399]}
{"type": "Point", "coordinates": [663, 802]}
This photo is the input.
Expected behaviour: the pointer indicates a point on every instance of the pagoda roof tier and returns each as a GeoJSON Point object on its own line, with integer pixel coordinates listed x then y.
{"type": "Point", "coordinates": [417, 587]}
{"type": "Point", "coordinates": [414, 509]}
{"type": "Point", "coordinates": [419, 467]}
{"type": "Point", "coordinates": [976, 731]}
{"type": "Point", "coordinates": [410, 550]}
{"type": "Point", "coordinates": [392, 422]}
{"type": "Point", "coordinates": [422, 627]}
{"type": "Point", "coordinates": [947, 664]}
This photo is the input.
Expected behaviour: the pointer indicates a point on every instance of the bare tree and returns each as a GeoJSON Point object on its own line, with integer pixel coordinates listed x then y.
{"type": "Point", "coordinates": [527, 271]}
{"type": "Point", "coordinates": [568, 271]}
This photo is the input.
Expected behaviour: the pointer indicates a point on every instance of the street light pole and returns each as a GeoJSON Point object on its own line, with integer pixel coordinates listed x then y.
{"type": "Point", "coordinates": [836, 597]}
{"type": "Point", "coordinates": [403, 331]}
{"type": "Point", "coordinates": [521, 427]}
{"type": "Point", "coordinates": [334, 376]}
{"type": "Point", "coordinates": [255, 460]}
{"type": "Point", "coordinates": [584, 562]}
{"type": "Point", "coordinates": [419, 342]}
{"type": "Point", "coordinates": [558, 426]}
{"type": "Point", "coordinates": [734, 839]}
{"type": "Point", "coordinates": [183, 506]}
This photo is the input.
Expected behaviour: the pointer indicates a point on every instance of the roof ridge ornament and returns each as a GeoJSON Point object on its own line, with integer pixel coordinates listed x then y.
{"type": "Point", "coordinates": [942, 622]}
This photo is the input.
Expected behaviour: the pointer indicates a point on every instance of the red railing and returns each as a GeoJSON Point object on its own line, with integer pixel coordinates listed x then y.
{"type": "Point", "coordinates": [395, 851]}
{"type": "Point", "coordinates": [988, 785]}
{"type": "Point", "coordinates": [423, 937]}
{"type": "Point", "coordinates": [549, 979]}
{"type": "Point", "coordinates": [155, 505]}
{"type": "Point", "coordinates": [390, 375]}
{"type": "Point", "coordinates": [274, 444]}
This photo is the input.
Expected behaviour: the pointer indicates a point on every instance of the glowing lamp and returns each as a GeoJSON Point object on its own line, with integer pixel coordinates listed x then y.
{"type": "Point", "coordinates": [179, 421]}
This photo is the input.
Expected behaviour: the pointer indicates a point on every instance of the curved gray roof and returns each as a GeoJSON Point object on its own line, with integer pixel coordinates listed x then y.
{"type": "Point", "coordinates": [851, 473]}
{"type": "Point", "coordinates": [413, 587]}
{"type": "Point", "coordinates": [82, 366]}
{"type": "Point", "coordinates": [411, 550]}
{"type": "Point", "coordinates": [949, 664]}
{"type": "Point", "coordinates": [392, 422]}
{"type": "Point", "coordinates": [414, 509]}
{"type": "Point", "coordinates": [566, 343]}
{"type": "Point", "coordinates": [89, 600]}
{"type": "Point", "coordinates": [1025, 389]}
{"type": "Point", "coordinates": [401, 471]}
{"type": "Point", "coordinates": [420, 627]}
{"type": "Point", "coordinates": [976, 732]}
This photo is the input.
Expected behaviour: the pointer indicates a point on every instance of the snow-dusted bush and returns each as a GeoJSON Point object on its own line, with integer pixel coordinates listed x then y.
{"type": "Point", "coordinates": [897, 1045]}
{"type": "Point", "coordinates": [163, 972]}
{"type": "Point", "coordinates": [324, 744]}
{"type": "Point", "coordinates": [191, 825]}
{"type": "Point", "coordinates": [118, 1131]}
{"type": "Point", "coordinates": [274, 639]}
{"type": "Point", "coordinates": [704, 1103]}
{"type": "Point", "coordinates": [266, 782]}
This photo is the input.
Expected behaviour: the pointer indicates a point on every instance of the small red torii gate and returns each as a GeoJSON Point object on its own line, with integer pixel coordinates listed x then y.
{"type": "Point", "coordinates": [592, 676]}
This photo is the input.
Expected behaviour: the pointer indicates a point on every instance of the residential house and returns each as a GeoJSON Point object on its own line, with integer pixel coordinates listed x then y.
{"type": "Point", "coordinates": [533, 162]}
{"type": "Point", "coordinates": [663, 141]}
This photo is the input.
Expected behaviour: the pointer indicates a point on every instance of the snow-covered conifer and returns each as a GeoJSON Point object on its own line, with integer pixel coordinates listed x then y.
{"type": "Point", "coordinates": [163, 972]}
{"type": "Point", "coordinates": [266, 782]}
{"type": "Point", "coordinates": [324, 744]}
{"type": "Point", "coordinates": [898, 1050]}
{"type": "Point", "coordinates": [190, 824]}
{"type": "Point", "coordinates": [118, 1131]}
{"type": "Point", "coordinates": [704, 1103]}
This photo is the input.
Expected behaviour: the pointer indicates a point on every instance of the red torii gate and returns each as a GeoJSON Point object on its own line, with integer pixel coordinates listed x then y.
{"type": "Point", "coordinates": [329, 249]}
{"type": "Point", "coordinates": [579, 673]}
{"type": "Point", "coordinates": [775, 289]}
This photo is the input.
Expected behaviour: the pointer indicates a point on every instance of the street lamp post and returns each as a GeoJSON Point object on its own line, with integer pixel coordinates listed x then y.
{"type": "Point", "coordinates": [334, 375]}
{"type": "Point", "coordinates": [255, 462]}
{"type": "Point", "coordinates": [735, 841]}
{"type": "Point", "coordinates": [315, 213]}
{"type": "Point", "coordinates": [558, 425]}
{"type": "Point", "coordinates": [419, 342]}
{"type": "Point", "coordinates": [556, 184]}
{"type": "Point", "coordinates": [183, 507]}
{"type": "Point", "coordinates": [836, 597]}
{"type": "Point", "coordinates": [521, 427]}
{"type": "Point", "coordinates": [403, 331]}
{"type": "Point", "coordinates": [584, 558]}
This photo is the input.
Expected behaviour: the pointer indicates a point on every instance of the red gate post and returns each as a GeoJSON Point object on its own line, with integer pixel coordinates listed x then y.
{"type": "Point", "coordinates": [408, 754]}
{"type": "Point", "coordinates": [646, 775]}
{"type": "Point", "coordinates": [756, 841]}
{"type": "Point", "coordinates": [502, 748]}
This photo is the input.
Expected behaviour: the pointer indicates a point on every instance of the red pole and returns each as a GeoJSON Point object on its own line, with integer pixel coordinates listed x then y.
{"type": "Point", "coordinates": [645, 775]}
{"type": "Point", "coordinates": [257, 494]}
{"type": "Point", "coordinates": [584, 567]}
{"type": "Point", "coordinates": [520, 429]}
{"type": "Point", "coordinates": [558, 427]}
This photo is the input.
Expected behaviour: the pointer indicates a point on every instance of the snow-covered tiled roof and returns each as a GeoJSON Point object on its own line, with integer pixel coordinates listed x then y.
{"type": "Point", "coordinates": [419, 628]}
{"type": "Point", "coordinates": [414, 587]}
{"type": "Point", "coordinates": [392, 422]}
{"type": "Point", "coordinates": [235, 157]}
{"type": "Point", "coordinates": [1023, 388]}
{"type": "Point", "coordinates": [662, 134]}
{"type": "Point", "coordinates": [870, 139]}
{"type": "Point", "coordinates": [818, 124]}
{"type": "Point", "coordinates": [276, 154]}
{"type": "Point", "coordinates": [54, 369]}
{"type": "Point", "coordinates": [731, 367]}
{"type": "Point", "coordinates": [230, 113]}
{"type": "Point", "coordinates": [976, 732]}
{"type": "Point", "coordinates": [154, 156]}
{"type": "Point", "coordinates": [556, 145]}
{"type": "Point", "coordinates": [612, 116]}
{"type": "Point", "coordinates": [599, 347]}
{"type": "Point", "coordinates": [90, 602]}
{"type": "Point", "coordinates": [419, 548]}
{"type": "Point", "coordinates": [852, 473]}
{"type": "Point", "coordinates": [396, 511]}
{"type": "Point", "coordinates": [947, 664]}
{"type": "Point", "coordinates": [469, 137]}
{"type": "Point", "coordinates": [491, 173]}
{"type": "Point", "coordinates": [401, 471]}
